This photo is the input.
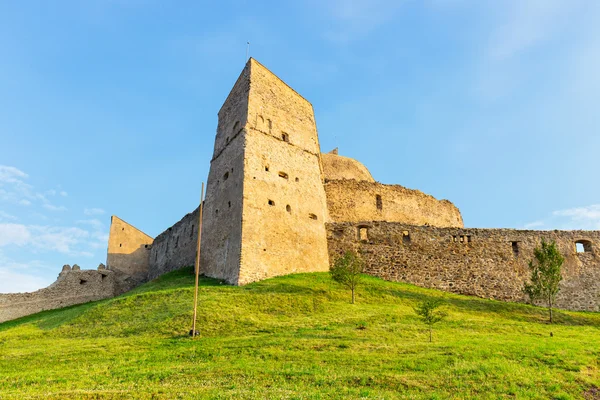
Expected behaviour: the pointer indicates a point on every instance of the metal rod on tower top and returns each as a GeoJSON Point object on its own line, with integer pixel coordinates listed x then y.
{"type": "Point", "coordinates": [197, 263]}
{"type": "Point", "coordinates": [247, 50]}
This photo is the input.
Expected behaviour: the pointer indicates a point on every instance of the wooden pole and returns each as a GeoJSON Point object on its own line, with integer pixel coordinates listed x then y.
{"type": "Point", "coordinates": [197, 263]}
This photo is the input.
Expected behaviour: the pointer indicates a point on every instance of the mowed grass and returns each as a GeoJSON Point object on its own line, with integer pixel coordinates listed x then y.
{"type": "Point", "coordinates": [297, 337]}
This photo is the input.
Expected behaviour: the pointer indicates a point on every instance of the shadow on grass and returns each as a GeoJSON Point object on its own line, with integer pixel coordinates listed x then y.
{"type": "Point", "coordinates": [511, 311]}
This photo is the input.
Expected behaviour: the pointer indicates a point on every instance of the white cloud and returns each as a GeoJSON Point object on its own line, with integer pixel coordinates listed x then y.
{"type": "Point", "coordinates": [18, 282]}
{"type": "Point", "coordinates": [24, 202]}
{"type": "Point", "coordinates": [14, 234]}
{"type": "Point", "coordinates": [6, 216]}
{"type": "Point", "coordinates": [588, 213]}
{"type": "Point", "coordinates": [586, 218]}
{"type": "Point", "coordinates": [93, 211]}
{"type": "Point", "coordinates": [52, 207]}
{"type": "Point", "coordinates": [535, 224]}
{"type": "Point", "coordinates": [61, 239]}
{"type": "Point", "coordinates": [63, 193]}
{"type": "Point", "coordinates": [11, 174]}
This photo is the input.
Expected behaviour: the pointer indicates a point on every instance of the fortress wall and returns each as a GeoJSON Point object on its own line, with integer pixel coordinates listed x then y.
{"type": "Point", "coordinates": [128, 249]}
{"type": "Point", "coordinates": [71, 287]}
{"type": "Point", "coordinates": [354, 201]}
{"type": "Point", "coordinates": [176, 247]}
{"type": "Point", "coordinates": [284, 206]}
{"type": "Point", "coordinates": [489, 263]}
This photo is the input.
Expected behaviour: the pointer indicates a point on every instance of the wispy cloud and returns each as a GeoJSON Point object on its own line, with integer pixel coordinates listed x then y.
{"type": "Point", "coordinates": [52, 207]}
{"type": "Point", "coordinates": [64, 240]}
{"type": "Point", "coordinates": [93, 211]}
{"type": "Point", "coordinates": [94, 223]}
{"type": "Point", "coordinates": [7, 217]}
{"type": "Point", "coordinates": [587, 217]}
{"type": "Point", "coordinates": [11, 174]}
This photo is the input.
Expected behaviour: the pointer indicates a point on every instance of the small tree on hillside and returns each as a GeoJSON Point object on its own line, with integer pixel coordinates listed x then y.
{"type": "Point", "coordinates": [429, 313]}
{"type": "Point", "coordinates": [347, 270]}
{"type": "Point", "coordinates": [545, 274]}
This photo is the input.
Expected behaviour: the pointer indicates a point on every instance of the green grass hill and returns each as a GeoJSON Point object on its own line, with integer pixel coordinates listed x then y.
{"type": "Point", "coordinates": [297, 337]}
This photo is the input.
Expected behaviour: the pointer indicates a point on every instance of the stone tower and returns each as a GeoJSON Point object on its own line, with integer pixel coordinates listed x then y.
{"type": "Point", "coordinates": [265, 206]}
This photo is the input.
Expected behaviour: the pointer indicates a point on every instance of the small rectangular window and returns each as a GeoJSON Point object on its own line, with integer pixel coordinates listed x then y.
{"type": "Point", "coordinates": [271, 203]}
{"type": "Point", "coordinates": [285, 137]}
{"type": "Point", "coordinates": [283, 175]}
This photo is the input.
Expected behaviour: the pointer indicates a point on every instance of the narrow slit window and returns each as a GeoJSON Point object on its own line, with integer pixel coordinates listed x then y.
{"type": "Point", "coordinates": [285, 137]}
{"type": "Point", "coordinates": [192, 232]}
{"type": "Point", "coordinates": [226, 176]}
{"type": "Point", "coordinates": [271, 203]}
{"type": "Point", "coordinates": [405, 237]}
{"type": "Point", "coordinates": [379, 202]}
{"type": "Point", "coordinates": [283, 175]}
{"type": "Point", "coordinates": [266, 168]}
{"type": "Point", "coordinates": [288, 208]}
{"type": "Point", "coordinates": [297, 179]}
{"type": "Point", "coordinates": [515, 248]}
{"type": "Point", "coordinates": [312, 216]}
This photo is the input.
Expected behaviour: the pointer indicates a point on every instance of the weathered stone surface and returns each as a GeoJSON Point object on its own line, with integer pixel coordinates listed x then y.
{"type": "Point", "coordinates": [265, 204]}
{"type": "Point", "coordinates": [336, 167]}
{"type": "Point", "coordinates": [128, 249]}
{"type": "Point", "coordinates": [176, 247]}
{"type": "Point", "coordinates": [71, 287]}
{"type": "Point", "coordinates": [490, 263]}
{"type": "Point", "coordinates": [353, 201]}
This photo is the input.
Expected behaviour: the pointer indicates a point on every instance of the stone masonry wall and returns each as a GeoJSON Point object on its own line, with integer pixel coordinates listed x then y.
{"type": "Point", "coordinates": [489, 263]}
{"type": "Point", "coordinates": [284, 206]}
{"type": "Point", "coordinates": [71, 287]}
{"type": "Point", "coordinates": [354, 201]}
{"type": "Point", "coordinates": [176, 247]}
{"type": "Point", "coordinates": [128, 249]}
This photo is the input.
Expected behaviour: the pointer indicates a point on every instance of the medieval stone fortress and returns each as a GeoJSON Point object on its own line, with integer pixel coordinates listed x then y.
{"type": "Point", "coordinates": [276, 205]}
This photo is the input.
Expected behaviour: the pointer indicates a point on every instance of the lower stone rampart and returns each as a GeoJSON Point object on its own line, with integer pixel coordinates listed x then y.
{"type": "Point", "coordinates": [489, 263]}
{"type": "Point", "coordinates": [176, 247]}
{"type": "Point", "coordinates": [72, 287]}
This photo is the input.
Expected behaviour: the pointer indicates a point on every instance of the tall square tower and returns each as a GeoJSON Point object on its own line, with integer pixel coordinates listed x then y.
{"type": "Point", "coordinates": [265, 206]}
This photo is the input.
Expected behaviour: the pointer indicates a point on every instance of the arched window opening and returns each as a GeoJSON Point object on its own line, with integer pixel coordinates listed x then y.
{"type": "Point", "coordinates": [285, 137]}
{"type": "Point", "coordinates": [406, 237]}
{"type": "Point", "coordinates": [583, 246]}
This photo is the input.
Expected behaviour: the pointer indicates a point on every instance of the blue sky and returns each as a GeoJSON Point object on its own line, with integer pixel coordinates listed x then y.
{"type": "Point", "coordinates": [110, 107]}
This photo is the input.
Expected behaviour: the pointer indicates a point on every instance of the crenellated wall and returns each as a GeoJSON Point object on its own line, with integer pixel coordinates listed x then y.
{"type": "Point", "coordinates": [176, 247]}
{"type": "Point", "coordinates": [72, 287]}
{"type": "Point", "coordinates": [354, 201]}
{"type": "Point", "coordinates": [489, 263]}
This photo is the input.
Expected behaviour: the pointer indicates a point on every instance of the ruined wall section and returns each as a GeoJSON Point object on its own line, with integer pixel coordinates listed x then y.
{"type": "Point", "coordinates": [222, 214]}
{"type": "Point", "coordinates": [128, 249]}
{"type": "Point", "coordinates": [354, 201]}
{"type": "Point", "coordinates": [71, 287]}
{"type": "Point", "coordinates": [284, 208]}
{"type": "Point", "coordinates": [336, 167]}
{"type": "Point", "coordinates": [489, 263]}
{"type": "Point", "coordinates": [176, 247]}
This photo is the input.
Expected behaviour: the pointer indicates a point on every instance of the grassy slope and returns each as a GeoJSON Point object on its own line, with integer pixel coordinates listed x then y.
{"type": "Point", "coordinates": [297, 337]}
